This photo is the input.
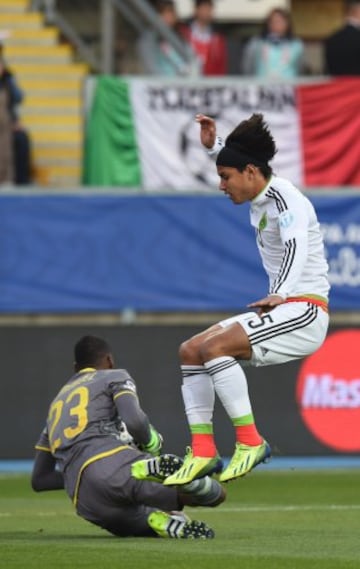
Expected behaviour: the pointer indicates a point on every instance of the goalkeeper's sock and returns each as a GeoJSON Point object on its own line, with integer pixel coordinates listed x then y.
{"type": "Point", "coordinates": [200, 486]}
{"type": "Point", "coordinates": [204, 491]}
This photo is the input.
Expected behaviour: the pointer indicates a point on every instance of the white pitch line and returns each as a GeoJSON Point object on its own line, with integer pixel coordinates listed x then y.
{"type": "Point", "coordinates": [292, 508]}
{"type": "Point", "coordinates": [247, 509]}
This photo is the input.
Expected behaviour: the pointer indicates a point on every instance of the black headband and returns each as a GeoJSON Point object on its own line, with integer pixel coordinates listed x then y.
{"type": "Point", "coordinates": [236, 159]}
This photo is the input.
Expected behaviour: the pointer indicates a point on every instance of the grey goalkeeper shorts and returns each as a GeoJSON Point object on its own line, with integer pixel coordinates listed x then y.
{"type": "Point", "coordinates": [111, 498]}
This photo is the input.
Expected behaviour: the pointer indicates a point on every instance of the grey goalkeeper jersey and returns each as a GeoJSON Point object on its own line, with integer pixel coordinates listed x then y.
{"type": "Point", "coordinates": [84, 421]}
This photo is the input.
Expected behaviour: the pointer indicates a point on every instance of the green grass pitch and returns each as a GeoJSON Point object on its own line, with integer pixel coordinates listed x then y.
{"type": "Point", "coordinates": [270, 520]}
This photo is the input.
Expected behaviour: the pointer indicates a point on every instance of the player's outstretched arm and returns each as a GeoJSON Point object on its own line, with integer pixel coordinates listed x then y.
{"type": "Point", "coordinates": [207, 130]}
{"type": "Point", "coordinates": [44, 474]}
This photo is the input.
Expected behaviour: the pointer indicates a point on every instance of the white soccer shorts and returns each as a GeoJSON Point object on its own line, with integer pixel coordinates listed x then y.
{"type": "Point", "coordinates": [290, 331]}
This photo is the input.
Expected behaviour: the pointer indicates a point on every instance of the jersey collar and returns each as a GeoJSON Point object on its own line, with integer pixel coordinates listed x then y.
{"type": "Point", "coordinates": [261, 195]}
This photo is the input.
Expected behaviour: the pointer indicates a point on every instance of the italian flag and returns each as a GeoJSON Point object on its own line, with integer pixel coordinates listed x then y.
{"type": "Point", "coordinates": [329, 114]}
{"type": "Point", "coordinates": [141, 133]}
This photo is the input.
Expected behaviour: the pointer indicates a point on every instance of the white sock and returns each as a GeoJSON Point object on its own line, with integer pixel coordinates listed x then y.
{"type": "Point", "coordinates": [198, 395]}
{"type": "Point", "coordinates": [230, 385]}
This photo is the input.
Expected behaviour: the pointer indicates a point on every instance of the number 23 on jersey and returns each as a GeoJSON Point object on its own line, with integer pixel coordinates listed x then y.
{"type": "Point", "coordinates": [68, 417]}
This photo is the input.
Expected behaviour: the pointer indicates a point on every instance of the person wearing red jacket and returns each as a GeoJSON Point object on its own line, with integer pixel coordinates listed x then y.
{"type": "Point", "coordinates": [209, 45]}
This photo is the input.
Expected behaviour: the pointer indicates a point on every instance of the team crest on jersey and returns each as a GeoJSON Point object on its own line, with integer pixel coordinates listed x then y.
{"type": "Point", "coordinates": [263, 222]}
{"type": "Point", "coordinates": [285, 219]}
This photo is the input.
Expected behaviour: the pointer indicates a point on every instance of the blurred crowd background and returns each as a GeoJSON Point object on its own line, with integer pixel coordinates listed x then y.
{"type": "Point", "coordinates": [50, 49]}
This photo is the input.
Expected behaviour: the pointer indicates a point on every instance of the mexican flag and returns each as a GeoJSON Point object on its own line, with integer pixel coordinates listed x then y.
{"type": "Point", "coordinates": [141, 132]}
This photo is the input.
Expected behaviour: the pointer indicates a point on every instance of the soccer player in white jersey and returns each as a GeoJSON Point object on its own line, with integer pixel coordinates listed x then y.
{"type": "Point", "coordinates": [289, 323]}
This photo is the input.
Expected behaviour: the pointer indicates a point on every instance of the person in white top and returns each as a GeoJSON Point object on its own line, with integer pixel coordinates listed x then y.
{"type": "Point", "coordinates": [290, 322]}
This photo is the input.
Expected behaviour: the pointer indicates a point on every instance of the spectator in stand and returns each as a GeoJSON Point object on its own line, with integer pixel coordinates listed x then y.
{"type": "Point", "coordinates": [209, 45]}
{"type": "Point", "coordinates": [6, 154]}
{"type": "Point", "coordinates": [276, 53]}
{"type": "Point", "coordinates": [18, 168]}
{"type": "Point", "coordinates": [157, 56]}
{"type": "Point", "coordinates": [342, 49]}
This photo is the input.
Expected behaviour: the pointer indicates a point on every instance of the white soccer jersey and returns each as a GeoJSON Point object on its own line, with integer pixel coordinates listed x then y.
{"type": "Point", "coordinates": [292, 251]}
{"type": "Point", "coordinates": [289, 240]}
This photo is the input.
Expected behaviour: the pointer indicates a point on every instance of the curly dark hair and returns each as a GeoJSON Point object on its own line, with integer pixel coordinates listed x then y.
{"type": "Point", "coordinates": [253, 137]}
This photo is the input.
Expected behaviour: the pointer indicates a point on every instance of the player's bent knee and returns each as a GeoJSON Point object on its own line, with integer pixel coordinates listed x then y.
{"type": "Point", "coordinates": [232, 341]}
{"type": "Point", "coordinates": [212, 347]}
{"type": "Point", "coordinates": [189, 352]}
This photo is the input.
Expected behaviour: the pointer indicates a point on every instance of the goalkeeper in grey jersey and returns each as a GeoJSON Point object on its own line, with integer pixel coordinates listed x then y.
{"type": "Point", "coordinates": [96, 431]}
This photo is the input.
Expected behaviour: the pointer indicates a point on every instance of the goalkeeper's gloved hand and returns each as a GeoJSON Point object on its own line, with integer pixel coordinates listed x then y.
{"type": "Point", "coordinates": [155, 443]}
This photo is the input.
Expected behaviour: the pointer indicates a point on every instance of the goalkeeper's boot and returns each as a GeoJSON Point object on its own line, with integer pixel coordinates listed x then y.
{"type": "Point", "coordinates": [157, 468]}
{"type": "Point", "coordinates": [194, 467]}
{"type": "Point", "coordinates": [178, 526]}
{"type": "Point", "coordinates": [244, 459]}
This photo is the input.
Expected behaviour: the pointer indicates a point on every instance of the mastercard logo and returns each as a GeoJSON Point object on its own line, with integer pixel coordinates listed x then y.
{"type": "Point", "coordinates": [328, 392]}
